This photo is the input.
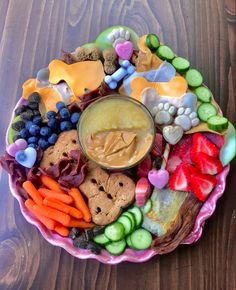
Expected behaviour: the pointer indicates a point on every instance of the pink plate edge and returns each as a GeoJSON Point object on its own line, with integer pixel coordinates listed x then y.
{"type": "Point", "coordinates": [129, 255]}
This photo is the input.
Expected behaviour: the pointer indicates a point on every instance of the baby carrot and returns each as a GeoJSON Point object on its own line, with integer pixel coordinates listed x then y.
{"type": "Point", "coordinates": [79, 224]}
{"type": "Point", "coordinates": [52, 213]}
{"type": "Point", "coordinates": [49, 223]}
{"type": "Point", "coordinates": [51, 184]}
{"type": "Point", "coordinates": [33, 192]}
{"type": "Point", "coordinates": [61, 230]}
{"type": "Point", "coordinates": [63, 207]}
{"type": "Point", "coordinates": [50, 194]}
{"type": "Point", "coordinates": [80, 203]}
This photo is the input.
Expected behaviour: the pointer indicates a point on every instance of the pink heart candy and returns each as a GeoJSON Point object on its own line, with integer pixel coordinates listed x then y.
{"type": "Point", "coordinates": [124, 50]}
{"type": "Point", "coordinates": [158, 178]}
{"type": "Point", "coordinates": [19, 144]}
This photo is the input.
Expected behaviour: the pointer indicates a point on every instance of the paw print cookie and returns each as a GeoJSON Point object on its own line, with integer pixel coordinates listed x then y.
{"type": "Point", "coordinates": [186, 118]}
{"type": "Point", "coordinates": [164, 113]}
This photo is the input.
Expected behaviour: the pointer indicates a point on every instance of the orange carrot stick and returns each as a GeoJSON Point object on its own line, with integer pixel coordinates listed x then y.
{"type": "Point", "coordinates": [79, 224]}
{"type": "Point", "coordinates": [49, 223]}
{"type": "Point", "coordinates": [74, 212]}
{"type": "Point", "coordinates": [33, 192]}
{"type": "Point", "coordinates": [50, 194]}
{"type": "Point", "coordinates": [61, 230]}
{"type": "Point", "coordinates": [52, 213]}
{"type": "Point", "coordinates": [51, 184]}
{"type": "Point", "coordinates": [80, 203]}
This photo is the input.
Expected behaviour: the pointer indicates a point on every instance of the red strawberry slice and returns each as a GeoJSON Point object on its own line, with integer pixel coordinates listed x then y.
{"type": "Point", "coordinates": [202, 185]}
{"type": "Point", "coordinates": [202, 144]}
{"type": "Point", "coordinates": [180, 179]}
{"type": "Point", "coordinates": [173, 161]}
{"type": "Point", "coordinates": [144, 167]}
{"type": "Point", "coordinates": [207, 164]}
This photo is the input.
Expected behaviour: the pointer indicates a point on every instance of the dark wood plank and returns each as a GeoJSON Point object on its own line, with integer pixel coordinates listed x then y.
{"type": "Point", "coordinates": [34, 32]}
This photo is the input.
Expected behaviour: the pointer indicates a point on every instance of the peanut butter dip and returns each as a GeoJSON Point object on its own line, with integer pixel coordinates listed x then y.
{"type": "Point", "coordinates": [116, 132]}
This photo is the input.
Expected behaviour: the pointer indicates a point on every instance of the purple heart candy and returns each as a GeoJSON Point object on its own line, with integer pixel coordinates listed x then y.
{"type": "Point", "coordinates": [158, 178]}
{"type": "Point", "coordinates": [124, 50]}
{"type": "Point", "coordinates": [18, 145]}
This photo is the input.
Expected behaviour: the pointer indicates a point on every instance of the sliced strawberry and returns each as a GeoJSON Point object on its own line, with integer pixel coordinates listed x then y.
{"type": "Point", "coordinates": [144, 167]}
{"type": "Point", "coordinates": [217, 139]}
{"type": "Point", "coordinates": [180, 179]}
{"type": "Point", "coordinates": [158, 145]}
{"type": "Point", "coordinates": [173, 161]}
{"type": "Point", "coordinates": [202, 185]}
{"type": "Point", "coordinates": [207, 164]}
{"type": "Point", "coordinates": [202, 144]}
{"type": "Point", "coordinates": [192, 169]}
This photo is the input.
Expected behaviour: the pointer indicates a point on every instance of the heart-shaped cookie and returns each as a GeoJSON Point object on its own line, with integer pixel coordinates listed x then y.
{"type": "Point", "coordinates": [26, 157]}
{"type": "Point", "coordinates": [124, 50]}
{"type": "Point", "coordinates": [172, 134]}
{"type": "Point", "coordinates": [18, 145]}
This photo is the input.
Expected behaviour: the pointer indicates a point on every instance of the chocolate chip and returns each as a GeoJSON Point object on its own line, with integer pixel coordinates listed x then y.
{"type": "Point", "coordinates": [121, 184]}
{"type": "Point", "coordinates": [101, 188]}
{"type": "Point", "coordinates": [98, 210]}
{"type": "Point", "coordinates": [109, 196]}
{"type": "Point", "coordinates": [93, 181]}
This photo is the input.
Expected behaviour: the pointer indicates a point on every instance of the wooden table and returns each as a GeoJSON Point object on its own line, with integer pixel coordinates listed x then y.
{"type": "Point", "coordinates": [33, 33]}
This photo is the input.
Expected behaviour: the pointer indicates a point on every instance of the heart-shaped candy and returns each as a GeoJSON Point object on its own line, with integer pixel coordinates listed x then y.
{"type": "Point", "coordinates": [18, 145]}
{"type": "Point", "coordinates": [26, 157]}
{"type": "Point", "coordinates": [173, 134]}
{"type": "Point", "coordinates": [158, 178]}
{"type": "Point", "coordinates": [124, 50]}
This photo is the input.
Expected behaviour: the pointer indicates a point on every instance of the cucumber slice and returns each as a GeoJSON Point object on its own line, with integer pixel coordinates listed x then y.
{"type": "Point", "coordinates": [147, 207]}
{"type": "Point", "coordinates": [203, 94]}
{"type": "Point", "coordinates": [141, 239]}
{"type": "Point", "coordinates": [137, 215]}
{"type": "Point", "coordinates": [128, 241]}
{"type": "Point", "coordinates": [116, 248]}
{"type": "Point", "coordinates": [12, 132]}
{"type": "Point", "coordinates": [180, 64]}
{"type": "Point", "coordinates": [101, 239]}
{"type": "Point", "coordinates": [205, 111]}
{"type": "Point", "coordinates": [217, 123]}
{"type": "Point", "coordinates": [115, 231]}
{"type": "Point", "coordinates": [127, 223]}
{"type": "Point", "coordinates": [132, 218]}
{"type": "Point", "coordinates": [152, 41]}
{"type": "Point", "coordinates": [164, 52]}
{"type": "Point", "coordinates": [193, 78]}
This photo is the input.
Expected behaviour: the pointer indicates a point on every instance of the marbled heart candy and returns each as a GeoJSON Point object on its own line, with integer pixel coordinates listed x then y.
{"type": "Point", "coordinates": [26, 157]}
{"type": "Point", "coordinates": [172, 134]}
{"type": "Point", "coordinates": [158, 178]}
{"type": "Point", "coordinates": [18, 145]}
{"type": "Point", "coordinates": [124, 50]}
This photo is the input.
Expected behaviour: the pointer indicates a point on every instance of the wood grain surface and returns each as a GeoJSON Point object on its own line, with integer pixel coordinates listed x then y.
{"type": "Point", "coordinates": [32, 32]}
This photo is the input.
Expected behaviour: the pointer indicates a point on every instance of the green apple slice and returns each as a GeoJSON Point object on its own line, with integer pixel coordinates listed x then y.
{"type": "Point", "coordinates": [12, 132]}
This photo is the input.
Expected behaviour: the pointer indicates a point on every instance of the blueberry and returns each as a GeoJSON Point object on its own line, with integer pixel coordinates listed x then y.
{"type": "Point", "coordinates": [19, 110]}
{"type": "Point", "coordinates": [53, 123]}
{"type": "Point", "coordinates": [34, 97]}
{"type": "Point", "coordinates": [43, 143]}
{"type": "Point", "coordinates": [51, 114]}
{"type": "Point", "coordinates": [36, 113]}
{"type": "Point", "coordinates": [16, 137]}
{"type": "Point", "coordinates": [33, 105]}
{"type": "Point", "coordinates": [60, 105]}
{"type": "Point", "coordinates": [17, 126]}
{"type": "Point", "coordinates": [28, 124]}
{"type": "Point", "coordinates": [32, 140]}
{"type": "Point", "coordinates": [37, 120]}
{"type": "Point", "coordinates": [27, 115]}
{"type": "Point", "coordinates": [33, 145]}
{"type": "Point", "coordinates": [75, 118]}
{"type": "Point", "coordinates": [65, 125]}
{"type": "Point", "coordinates": [24, 133]}
{"type": "Point", "coordinates": [52, 139]}
{"type": "Point", "coordinates": [64, 113]}
{"type": "Point", "coordinates": [45, 131]}
{"type": "Point", "coordinates": [34, 130]}
{"type": "Point", "coordinates": [20, 156]}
